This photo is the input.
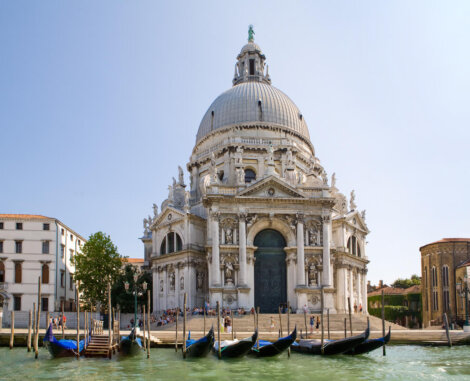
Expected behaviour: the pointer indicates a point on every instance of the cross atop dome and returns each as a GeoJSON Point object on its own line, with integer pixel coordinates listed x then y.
{"type": "Point", "coordinates": [250, 66]}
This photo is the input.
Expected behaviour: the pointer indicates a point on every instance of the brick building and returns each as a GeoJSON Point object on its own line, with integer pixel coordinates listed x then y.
{"type": "Point", "coordinates": [439, 262]}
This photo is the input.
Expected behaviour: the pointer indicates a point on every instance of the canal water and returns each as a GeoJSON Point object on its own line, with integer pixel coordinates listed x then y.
{"type": "Point", "coordinates": [401, 363]}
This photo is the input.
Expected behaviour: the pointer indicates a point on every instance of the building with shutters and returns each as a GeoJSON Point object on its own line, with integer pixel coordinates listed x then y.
{"type": "Point", "coordinates": [260, 223]}
{"type": "Point", "coordinates": [33, 246]}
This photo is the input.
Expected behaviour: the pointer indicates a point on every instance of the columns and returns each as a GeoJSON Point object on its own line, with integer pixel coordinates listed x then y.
{"type": "Point", "coordinates": [351, 286]}
{"type": "Point", "coordinates": [300, 251]}
{"type": "Point", "coordinates": [156, 289]}
{"type": "Point", "coordinates": [364, 291]}
{"type": "Point", "coordinates": [341, 288]}
{"type": "Point", "coordinates": [177, 285]}
{"type": "Point", "coordinates": [359, 289]}
{"type": "Point", "coordinates": [165, 287]}
{"type": "Point", "coordinates": [242, 249]}
{"type": "Point", "coordinates": [215, 250]}
{"type": "Point", "coordinates": [326, 275]}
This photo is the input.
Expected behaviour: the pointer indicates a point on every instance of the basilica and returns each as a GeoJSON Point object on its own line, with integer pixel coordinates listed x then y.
{"type": "Point", "coordinates": [260, 223]}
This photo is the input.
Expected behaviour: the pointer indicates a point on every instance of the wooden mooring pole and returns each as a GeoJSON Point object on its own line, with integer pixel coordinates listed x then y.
{"type": "Point", "coordinates": [34, 326]}
{"type": "Point", "coordinates": [233, 326]}
{"type": "Point", "coordinates": [30, 321]}
{"type": "Point", "coordinates": [184, 325]}
{"type": "Point", "coordinates": [219, 350]}
{"type": "Point", "coordinates": [383, 321]}
{"type": "Point", "coordinates": [148, 323]}
{"type": "Point", "coordinates": [12, 332]}
{"type": "Point", "coordinates": [176, 330]}
{"type": "Point", "coordinates": [288, 325]}
{"type": "Point", "coordinates": [257, 326]}
{"type": "Point", "coordinates": [77, 296]}
{"type": "Point", "coordinates": [48, 318]}
{"type": "Point", "coordinates": [204, 318]}
{"type": "Point", "coordinates": [110, 321]}
{"type": "Point", "coordinates": [36, 339]}
{"type": "Point", "coordinates": [231, 315]}
{"type": "Point", "coordinates": [305, 321]}
{"type": "Point", "coordinates": [321, 319]}
{"type": "Point", "coordinates": [328, 318]}
{"type": "Point", "coordinates": [62, 320]}
{"type": "Point", "coordinates": [446, 324]}
{"type": "Point", "coordinates": [345, 331]}
{"type": "Point", "coordinates": [280, 323]}
{"type": "Point", "coordinates": [350, 317]}
{"type": "Point", "coordinates": [145, 326]}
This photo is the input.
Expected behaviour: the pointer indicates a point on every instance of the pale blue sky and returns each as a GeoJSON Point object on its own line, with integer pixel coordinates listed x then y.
{"type": "Point", "coordinates": [100, 101]}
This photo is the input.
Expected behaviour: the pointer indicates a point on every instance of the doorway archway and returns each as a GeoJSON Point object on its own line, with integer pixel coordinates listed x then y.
{"type": "Point", "coordinates": [270, 270]}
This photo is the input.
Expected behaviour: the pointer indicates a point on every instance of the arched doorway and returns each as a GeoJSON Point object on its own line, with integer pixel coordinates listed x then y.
{"type": "Point", "coordinates": [270, 270]}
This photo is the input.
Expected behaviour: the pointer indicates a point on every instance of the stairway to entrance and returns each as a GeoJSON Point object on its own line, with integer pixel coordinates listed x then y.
{"type": "Point", "coordinates": [245, 323]}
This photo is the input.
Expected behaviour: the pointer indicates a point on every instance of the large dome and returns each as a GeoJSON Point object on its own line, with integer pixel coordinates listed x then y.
{"type": "Point", "coordinates": [241, 104]}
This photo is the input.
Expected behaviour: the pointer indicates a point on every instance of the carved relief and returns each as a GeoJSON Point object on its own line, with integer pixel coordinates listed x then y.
{"type": "Point", "coordinates": [228, 226]}
{"type": "Point", "coordinates": [172, 281]}
{"type": "Point", "coordinates": [182, 283]}
{"type": "Point", "coordinates": [161, 285]}
{"type": "Point", "coordinates": [200, 280]}
{"type": "Point", "coordinates": [313, 234]}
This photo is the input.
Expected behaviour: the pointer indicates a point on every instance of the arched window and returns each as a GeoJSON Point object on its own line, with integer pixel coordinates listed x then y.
{"type": "Point", "coordinates": [353, 246]}
{"type": "Point", "coordinates": [163, 246]}
{"type": "Point", "coordinates": [250, 176]}
{"type": "Point", "coordinates": [45, 274]}
{"type": "Point", "coordinates": [435, 294]}
{"type": "Point", "coordinates": [445, 288]}
{"type": "Point", "coordinates": [171, 243]}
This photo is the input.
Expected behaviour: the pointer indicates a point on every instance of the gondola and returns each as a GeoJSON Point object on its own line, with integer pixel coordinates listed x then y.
{"type": "Point", "coordinates": [370, 344]}
{"type": "Point", "coordinates": [201, 347]}
{"type": "Point", "coordinates": [330, 347]}
{"type": "Point", "coordinates": [130, 345]}
{"type": "Point", "coordinates": [268, 349]}
{"type": "Point", "coordinates": [62, 347]}
{"type": "Point", "coordinates": [235, 348]}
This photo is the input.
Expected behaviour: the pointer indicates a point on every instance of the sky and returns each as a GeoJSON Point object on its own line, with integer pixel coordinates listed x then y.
{"type": "Point", "coordinates": [101, 101]}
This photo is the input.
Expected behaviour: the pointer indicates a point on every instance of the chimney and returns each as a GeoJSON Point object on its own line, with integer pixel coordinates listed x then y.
{"type": "Point", "coordinates": [381, 284]}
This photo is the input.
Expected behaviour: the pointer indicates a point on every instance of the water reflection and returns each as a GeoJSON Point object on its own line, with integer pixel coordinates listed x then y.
{"type": "Point", "coordinates": [401, 363]}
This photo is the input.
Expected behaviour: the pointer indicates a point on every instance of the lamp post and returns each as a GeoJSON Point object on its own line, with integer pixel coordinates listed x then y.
{"type": "Point", "coordinates": [144, 286]}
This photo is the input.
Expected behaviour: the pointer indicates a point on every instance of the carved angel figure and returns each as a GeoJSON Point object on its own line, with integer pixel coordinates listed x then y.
{"type": "Point", "coordinates": [155, 210]}
{"type": "Point", "coordinates": [239, 156]}
{"type": "Point", "coordinates": [228, 236]}
{"type": "Point", "coordinates": [199, 280]}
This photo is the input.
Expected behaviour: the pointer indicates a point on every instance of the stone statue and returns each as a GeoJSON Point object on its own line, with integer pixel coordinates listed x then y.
{"type": "Point", "coordinates": [187, 196]}
{"type": "Point", "coordinates": [324, 177]}
{"type": "Point", "coordinates": [161, 285]}
{"type": "Point", "coordinates": [180, 176]}
{"type": "Point", "coordinates": [333, 180]}
{"type": "Point", "coordinates": [155, 210]}
{"type": "Point", "coordinates": [146, 226]}
{"type": "Point", "coordinates": [170, 193]}
{"type": "Point", "coordinates": [352, 203]}
{"type": "Point", "coordinates": [363, 214]}
{"type": "Point", "coordinates": [228, 273]}
{"type": "Point", "coordinates": [150, 221]}
{"type": "Point", "coordinates": [312, 275]}
{"type": "Point", "coordinates": [228, 236]}
{"type": "Point", "coordinates": [251, 34]}
{"type": "Point", "coordinates": [270, 154]}
{"type": "Point", "coordinates": [182, 283]}
{"type": "Point", "coordinates": [240, 176]}
{"type": "Point", "coordinates": [172, 281]}
{"type": "Point", "coordinates": [312, 237]}
{"type": "Point", "coordinates": [174, 182]}
{"type": "Point", "coordinates": [213, 170]}
{"type": "Point", "coordinates": [199, 280]}
{"type": "Point", "coordinates": [290, 161]}
{"type": "Point", "coordinates": [239, 156]}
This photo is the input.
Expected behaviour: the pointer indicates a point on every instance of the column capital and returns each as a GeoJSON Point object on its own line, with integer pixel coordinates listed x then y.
{"type": "Point", "coordinates": [300, 218]}
{"type": "Point", "coordinates": [242, 216]}
{"type": "Point", "coordinates": [326, 219]}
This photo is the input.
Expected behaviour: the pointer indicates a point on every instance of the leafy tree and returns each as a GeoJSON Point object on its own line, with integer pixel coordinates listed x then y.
{"type": "Point", "coordinates": [97, 264]}
{"type": "Point", "coordinates": [405, 283]}
{"type": "Point", "coordinates": [124, 298]}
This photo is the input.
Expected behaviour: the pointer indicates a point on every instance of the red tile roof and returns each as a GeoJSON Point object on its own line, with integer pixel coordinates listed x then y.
{"type": "Point", "coordinates": [444, 240]}
{"type": "Point", "coordinates": [396, 291]}
{"type": "Point", "coordinates": [133, 260]}
{"type": "Point", "coordinates": [25, 216]}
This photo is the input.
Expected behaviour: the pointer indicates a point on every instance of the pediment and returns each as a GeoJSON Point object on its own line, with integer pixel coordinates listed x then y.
{"type": "Point", "coordinates": [168, 215]}
{"type": "Point", "coordinates": [355, 219]}
{"type": "Point", "coordinates": [271, 187]}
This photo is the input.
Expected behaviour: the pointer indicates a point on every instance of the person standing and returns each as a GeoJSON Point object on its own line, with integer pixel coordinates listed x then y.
{"type": "Point", "coordinates": [318, 323]}
{"type": "Point", "coordinates": [312, 323]}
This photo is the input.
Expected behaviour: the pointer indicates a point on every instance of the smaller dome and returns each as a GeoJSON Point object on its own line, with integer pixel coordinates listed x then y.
{"type": "Point", "coordinates": [250, 47]}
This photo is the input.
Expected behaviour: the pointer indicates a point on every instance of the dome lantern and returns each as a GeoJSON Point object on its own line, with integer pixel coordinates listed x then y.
{"type": "Point", "coordinates": [250, 64]}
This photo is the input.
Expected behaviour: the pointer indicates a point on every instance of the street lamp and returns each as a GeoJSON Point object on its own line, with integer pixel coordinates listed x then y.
{"type": "Point", "coordinates": [126, 286]}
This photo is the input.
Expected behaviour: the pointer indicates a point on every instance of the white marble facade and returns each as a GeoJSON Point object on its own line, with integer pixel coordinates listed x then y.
{"type": "Point", "coordinates": [254, 168]}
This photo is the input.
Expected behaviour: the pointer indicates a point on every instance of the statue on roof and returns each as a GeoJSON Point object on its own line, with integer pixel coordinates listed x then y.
{"type": "Point", "coordinates": [251, 34]}
{"type": "Point", "coordinates": [180, 176]}
{"type": "Point", "coordinates": [352, 201]}
{"type": "Point", "coordinates": [155, 210]}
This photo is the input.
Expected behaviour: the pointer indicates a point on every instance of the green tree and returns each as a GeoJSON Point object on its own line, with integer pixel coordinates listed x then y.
{"type": "Point", "coordinates": [124, 298]}
{"type": "Point", "coordinates": [97, 264]}
{"type": "Point", "coordinates": [405, 283]}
